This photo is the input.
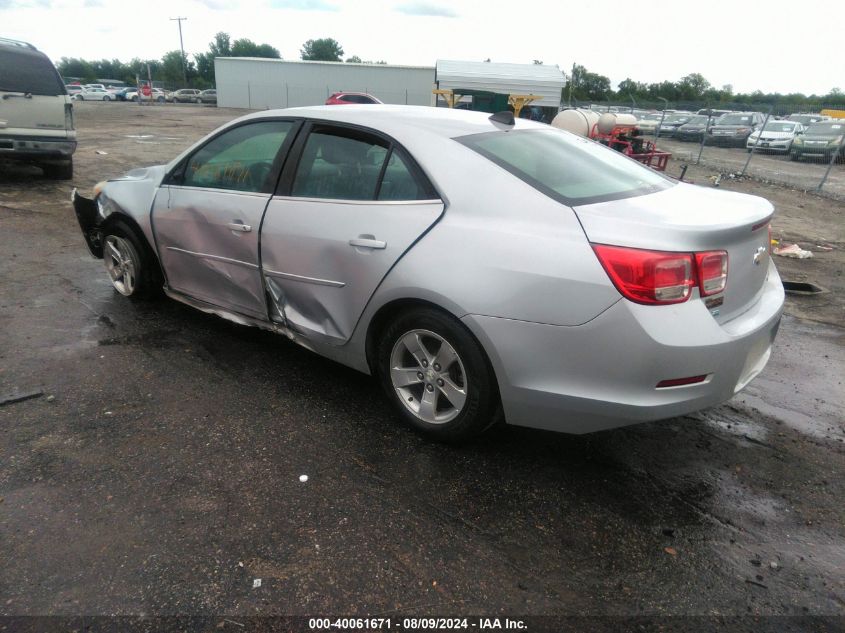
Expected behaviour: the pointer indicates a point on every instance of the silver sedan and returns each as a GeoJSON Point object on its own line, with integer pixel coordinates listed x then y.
{"type": "Point", "coordinates": [480, 267]}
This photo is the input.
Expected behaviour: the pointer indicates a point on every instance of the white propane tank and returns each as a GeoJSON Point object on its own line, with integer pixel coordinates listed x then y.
{"type": "Point", "coordinates": [610, 120]}
{"type": "Point", "coordinates": [578, 122]}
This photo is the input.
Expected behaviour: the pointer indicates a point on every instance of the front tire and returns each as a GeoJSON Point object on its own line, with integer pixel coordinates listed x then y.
{"type": "Point", "coordinates": [437, 376]}
{"type": "Point", "coordinates": [129, 262]}
{"type": "Point", "coordinates": [106, 98]}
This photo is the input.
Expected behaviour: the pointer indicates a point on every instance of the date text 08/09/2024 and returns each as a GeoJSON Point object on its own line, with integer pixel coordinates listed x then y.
{"type": "Point", "coordinates": [415, 624]}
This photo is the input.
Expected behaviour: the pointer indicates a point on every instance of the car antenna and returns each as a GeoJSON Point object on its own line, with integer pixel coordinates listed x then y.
{"type": "Point", "coordinates": [505, 117]}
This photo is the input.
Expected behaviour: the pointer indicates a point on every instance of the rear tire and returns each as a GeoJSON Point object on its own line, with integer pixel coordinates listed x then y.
{"type": "Point", "coordinates": [451, 400]}
{"type": "Point", "coordinates": [130, 263]}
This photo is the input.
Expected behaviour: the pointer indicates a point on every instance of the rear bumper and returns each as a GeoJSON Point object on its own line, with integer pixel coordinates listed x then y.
{"type": "Point", "coordinates": [603, 374]}
{"type": "Point", "coordinates": [36, 148]}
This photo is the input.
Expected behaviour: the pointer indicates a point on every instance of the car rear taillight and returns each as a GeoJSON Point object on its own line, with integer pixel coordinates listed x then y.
{"type": "Point", "coordinates": [649, 277]}
{"type": "Point", "coordinates": [661, 277]}
{"type": "Point", "coordinates": [68, 116]}
{"type": "Point", "coordinates": [712, 272]}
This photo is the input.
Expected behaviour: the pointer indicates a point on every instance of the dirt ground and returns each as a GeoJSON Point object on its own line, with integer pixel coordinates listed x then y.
{"type": "Point", "coordinates": [155, 471]}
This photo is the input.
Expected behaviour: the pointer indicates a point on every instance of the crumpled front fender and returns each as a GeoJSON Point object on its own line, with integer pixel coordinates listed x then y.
{"type": "Point", "coordinates": [88, 216]}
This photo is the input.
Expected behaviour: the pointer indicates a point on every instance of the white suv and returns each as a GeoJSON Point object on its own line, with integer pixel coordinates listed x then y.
{"type": "Point", "coordinates": [36, 114]}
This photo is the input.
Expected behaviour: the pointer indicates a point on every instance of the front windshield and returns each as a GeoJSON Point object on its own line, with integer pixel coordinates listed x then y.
{"type": "Point", "coordinates": [697, 120]}
{"type": "Point", "coordinates": [566, 167]}
{"type": "Point", "coordinates": [779, 126]}
{"type": "Point", "coordinates": [826, 129]}
{"type": "Point", "coordinates": [651, 117]}
{"type": "Point", "coordinates": [676, 118]}
{"type": "Point", "coordinates": [735, 119]}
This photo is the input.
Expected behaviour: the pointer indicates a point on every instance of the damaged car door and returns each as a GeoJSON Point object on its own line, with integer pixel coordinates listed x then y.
{"type": "Point", "coordinates": [344, 213]}
{"type": "Point", "coordinates": [208, 211]}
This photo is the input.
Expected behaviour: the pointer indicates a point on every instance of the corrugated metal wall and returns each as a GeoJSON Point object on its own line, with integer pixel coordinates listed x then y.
{"type": "Point", "coordinates": [246, 82]}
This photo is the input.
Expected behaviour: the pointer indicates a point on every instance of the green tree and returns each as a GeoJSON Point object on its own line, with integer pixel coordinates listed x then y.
{"type": "Point", "coordinates": [171, 69]}
{"type": "Point", "coordinates": [693, 87]}
{"type": "Point", "coordinates": [322, 50]}
{"type": "Point", "coordinates": [74, 67]}
{"type": "Point", "coordinates": [220, 46]}
{"type": "Point", "coordinates": [247, 48]}
{"type": "Point", "coordinates": [583, 85]}
{"type": "Point", "coordinates": [354, 60]}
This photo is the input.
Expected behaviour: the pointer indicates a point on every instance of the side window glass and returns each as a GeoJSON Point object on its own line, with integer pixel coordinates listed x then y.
{"type": "Point", "coordinates": [339, 166]}
{"type": "Point", "coordinates": [399, 183]}
{"type": "Point", "coordinates": [240, 159]}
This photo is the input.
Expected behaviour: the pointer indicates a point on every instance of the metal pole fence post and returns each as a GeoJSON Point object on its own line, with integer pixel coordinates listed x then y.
{"type": "Point", "coordinates": [754, 148]}
{"type": "Point", "coordinates": [662, 116]}
{"type": "Point", "coordinates": [406, 96]}
{"type": "Point", "coordinates": [287, 97]}
{"type": "Point", "coordinates": [704, 133]}
{"type": "Point", "coordinates": [833, 158]}
{"type": "Point", "coordinates": [249, 95]}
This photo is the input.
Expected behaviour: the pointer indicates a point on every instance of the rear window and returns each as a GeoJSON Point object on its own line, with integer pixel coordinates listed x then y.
{"type": "Point", "coordinates": [26, 70]}
{"type": "Point", "coordinates": [570, 169]}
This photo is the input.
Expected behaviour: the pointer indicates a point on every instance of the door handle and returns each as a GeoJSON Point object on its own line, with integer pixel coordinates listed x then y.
{"type": "Point", "coordinates": [367, 242]}
{"type": "Point", "coordinates": [239, 226]}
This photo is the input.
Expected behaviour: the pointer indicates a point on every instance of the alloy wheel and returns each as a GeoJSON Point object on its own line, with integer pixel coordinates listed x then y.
{"type": "Point", "coordinates": [428, 376]}
{"type": "Point", "coordinates": [121, 263]}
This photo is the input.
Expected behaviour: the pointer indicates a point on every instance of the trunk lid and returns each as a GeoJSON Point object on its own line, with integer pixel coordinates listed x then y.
{"type": "Point", "coordinates": [33, 115]}
{"type": "Point", "coordinates": [687, 218]}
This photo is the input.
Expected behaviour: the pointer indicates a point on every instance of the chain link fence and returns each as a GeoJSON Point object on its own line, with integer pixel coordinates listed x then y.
{"type": "Point", "coordinates": [775, 142]}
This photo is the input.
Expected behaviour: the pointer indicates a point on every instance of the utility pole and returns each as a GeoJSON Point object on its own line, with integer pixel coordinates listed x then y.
{"type": "Point", "coordinates": [182, 48]}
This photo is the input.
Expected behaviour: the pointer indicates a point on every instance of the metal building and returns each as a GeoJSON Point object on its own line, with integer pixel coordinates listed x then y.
{"type": "Point", "coordinates": [258, 83]}
{"type": "Point", "coordinates": [462, 77]}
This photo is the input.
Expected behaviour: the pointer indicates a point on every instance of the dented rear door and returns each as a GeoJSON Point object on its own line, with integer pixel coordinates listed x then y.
{"type": "Point", "coordinates": [354, 205]}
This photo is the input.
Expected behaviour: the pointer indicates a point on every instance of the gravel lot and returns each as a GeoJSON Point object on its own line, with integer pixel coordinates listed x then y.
{"type": "Point", "coordinates": [159, 471]}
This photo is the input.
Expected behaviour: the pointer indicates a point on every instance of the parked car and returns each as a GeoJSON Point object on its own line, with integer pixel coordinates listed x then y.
{"type": "Point", "coordinates": [672, 122]}
{"type": "Point", "coordinates": [157, 95]}
{"type": "Point", "coordinates": [345, 98]}
{"type": "Point", "coordinates": [73, 89]}
{"type": "Point", "coordinates": [94, 94]}
{"type": "Point", "coordinates": [580, 292]}
{"type": "Point", "coordinates": [807, 119]}
{"type": "Point", "coordinates": [820, 140]}
{"type": "Point", "coordinates": [120, 95]}
{"type": "Point", "coordinates": [711, 112]}
{"type": "Point", "coordinates": [647, 124]}
{"type": "Point", "coordinates": [36, 111]}
{"type": "Point", "coordinates": [185, 95]}
{"type": "Point", "coordinates": [694, 129]}
{"type": "Point", "coordinates": [776, 136]}
{"type": "Point", "coordinates": [94, 86]}
{"type": "Point", "coordinates": [208, 96]}
{"type": "Point", "coordinates": [734, 128]}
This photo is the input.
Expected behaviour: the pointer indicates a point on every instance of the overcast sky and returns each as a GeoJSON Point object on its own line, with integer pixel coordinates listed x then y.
{"type": "Point", "coordinates": [751, 44]}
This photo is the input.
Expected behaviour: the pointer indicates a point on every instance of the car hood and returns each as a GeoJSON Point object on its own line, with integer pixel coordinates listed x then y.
{"type": "Point", "coordinates": [819, 137]}
{"type": "Point", "coordinates": [774, 134]}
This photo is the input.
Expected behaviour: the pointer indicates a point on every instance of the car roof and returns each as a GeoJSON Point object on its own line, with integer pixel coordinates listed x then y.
{"type": "Point", "coordinates": [399, 120]}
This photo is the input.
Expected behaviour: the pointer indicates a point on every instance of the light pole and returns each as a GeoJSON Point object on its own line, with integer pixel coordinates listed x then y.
{"type": "Point", "coordinates": [182, 48]}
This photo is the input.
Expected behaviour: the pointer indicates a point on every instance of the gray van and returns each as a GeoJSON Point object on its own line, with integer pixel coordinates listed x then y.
{"type": "Point", "coordinates": [36, 114]}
